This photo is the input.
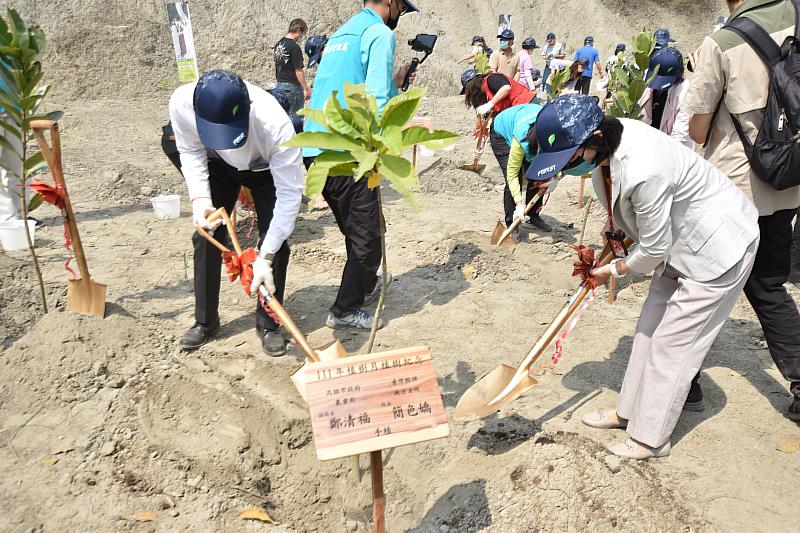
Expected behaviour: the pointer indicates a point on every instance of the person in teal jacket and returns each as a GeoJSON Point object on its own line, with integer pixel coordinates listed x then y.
{"type": "Point", "coordinates": [360, 52]}
{"type": "Point", "coordinates": [509, 138]}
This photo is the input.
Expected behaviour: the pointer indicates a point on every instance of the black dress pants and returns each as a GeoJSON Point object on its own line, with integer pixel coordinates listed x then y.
{"type": "Point", "coordinates": [765, 290]}
{"type": "Point", "coordinates": [501, 151]}
{"type": "Point", "coordinates": [584, 85]}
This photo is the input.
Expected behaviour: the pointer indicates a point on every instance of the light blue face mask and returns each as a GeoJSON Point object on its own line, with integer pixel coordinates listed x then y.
{"type": "Point", "coordinates": [504, 45]}
{"type": "Point", "coordinates": [581, 170]}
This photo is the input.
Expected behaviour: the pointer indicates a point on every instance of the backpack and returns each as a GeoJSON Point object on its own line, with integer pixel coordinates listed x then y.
{"type": "Point", "coordinates": [775, 155]}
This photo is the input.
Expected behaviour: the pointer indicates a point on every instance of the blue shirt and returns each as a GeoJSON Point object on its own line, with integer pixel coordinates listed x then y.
{"type": "Point", "coordinates": [590, 53]}
{"type": "Point", "coordinates": [514, 124]}
{"type": "Point", "coordinates": [360, 52]}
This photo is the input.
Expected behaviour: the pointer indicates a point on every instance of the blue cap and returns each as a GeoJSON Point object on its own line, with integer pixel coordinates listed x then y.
{"type": "Point", "coordinates": [663, 37]}
{"type": "Point", "coordinates": [551, 35]}
{"type": "Point", "coordinates": [468, 76]}
{"type": "Point", "coordinates": [529, 42]}
{"type": "Point", "coordinates": [588, 39]}
{"type": "Point", "coordinates": [222, 110]}
{"type": "Point", "coordinates": [506, 35]}
{"type": "Point", "coordinates": [477, 38]}
{"type": "Point", "coordinates": [670, 67]}
{"type": "Point", "coordinates": [536, 73]}
{"type": "Point", "coordinates": [562, 127]}
{"type": "Point", "coordinates": [315, 45]}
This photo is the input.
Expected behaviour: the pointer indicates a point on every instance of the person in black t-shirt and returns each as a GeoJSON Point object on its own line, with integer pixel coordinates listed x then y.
{"type": "Point", "coordinates": [289, 66]}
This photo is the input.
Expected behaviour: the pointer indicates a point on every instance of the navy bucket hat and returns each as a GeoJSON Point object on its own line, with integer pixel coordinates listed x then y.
{"type": "Point", "coordinates": [562, 127]}
{"type": "Point", "coordinates": [222, 110]}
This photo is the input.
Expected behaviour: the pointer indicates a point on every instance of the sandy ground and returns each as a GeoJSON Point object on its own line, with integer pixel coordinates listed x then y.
{"type": "Point", "coordinates": [102, 419]}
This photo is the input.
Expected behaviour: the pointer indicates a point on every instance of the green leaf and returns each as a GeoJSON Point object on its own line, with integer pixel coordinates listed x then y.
{"type": "Point", "coordinates": [341, 120]}
{"type": "Point", "coordinates": [355, 96]}
{"type": "Point", "coordinates": [402, 108]}
{"type": "Point", "coordinates": [636, 90]}
{"type": "Point", "coordinates": [432, 140]}
{"type": "Point", "coordinates": [401, 175]}
{"type": "Point", "coordinates": [346, 169]}
{"type": "Point", "coordinates": [40, 168]}
{"type": "Point", "coordinates": [5, 35]}
{"type": "Point", "coordinates": [391, 137]}
{"type": "Point", "coordinates": [38, 41]}
{"type": "Point", "coordinates": [322, 140]}
{"type": "Point", "coordinates": [642, 60]}
{"type": "Point", "coordinates": [315, 115]}
{"type": "Point", "coordinates": [32, 161]}
{"type": "Point", "coordinates": [8, 78]}
{"type": "Point", "coordinates": [18, 29]}
{"type": "Point", "coordinates": [315, 181]}
{"type": "Point", "coordinates": [365, 165]}
{"type": "Point", "coordinates": [335, 158]}
{"type": "Point", "coordinates": [13, 129]}
{"type": "Point", "coordinates": [35, 202]}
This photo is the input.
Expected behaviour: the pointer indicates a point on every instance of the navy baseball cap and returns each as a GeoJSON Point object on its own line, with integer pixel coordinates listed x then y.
{"type": "Point", "coordinates": [663, 37]}
{"type": "Point", "coordinates": [670, 67]}
{"type": "Point", "coordinates": [529, 42]}
{"type": "Point", "coordinates": [551, 35]}
{"type": "Point", "coordinates": [589, 39]}
{"type": "Point", "coordinates": [222, 110]}
{"type": "Point", "coordinates": [506, 35]}
{"type": "Point", "coordinates": [468, 76]}
{"type": "Point", "coordinates": [477, 39]}
{"type": "Point", "coordinates": [315, 45]}
{"type": "Point", "coordinates": [410, 8]}
{"type": "Point", "coordinates": [562, 127]}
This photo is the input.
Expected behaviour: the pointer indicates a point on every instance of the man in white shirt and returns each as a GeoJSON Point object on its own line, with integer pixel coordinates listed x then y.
{"type": "Point", "coordinates": [229, 134]}
{"type": "Point", "coordinates": [553, 50]}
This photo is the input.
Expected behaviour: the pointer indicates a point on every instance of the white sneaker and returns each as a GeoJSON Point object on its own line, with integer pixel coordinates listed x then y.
{"type": "Point", "coordinates": [372, 296]}
{"type": "Point", "coordinates": [361, 319]}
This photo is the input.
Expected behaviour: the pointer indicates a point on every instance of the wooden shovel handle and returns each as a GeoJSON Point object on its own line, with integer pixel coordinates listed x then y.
{"type": "Point", "coordinates": [289, 324]}
{"type": "Point", "coordinates": [518, 221]}
{"type": "Point", "coordinates": [52, 155]}
{"type": "Point", "coordinates": [211, 218]}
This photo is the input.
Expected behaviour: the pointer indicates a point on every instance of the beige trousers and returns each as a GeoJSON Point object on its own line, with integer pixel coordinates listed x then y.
{"type": "Point", "coordinates": [679, 322]}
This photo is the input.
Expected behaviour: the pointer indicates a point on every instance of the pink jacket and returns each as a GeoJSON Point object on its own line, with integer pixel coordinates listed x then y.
{"type": "Point", "coordinates": [674, 121]}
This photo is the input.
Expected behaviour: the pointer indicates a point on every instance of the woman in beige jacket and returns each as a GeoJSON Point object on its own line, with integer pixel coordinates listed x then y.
{"type": "Point", "coordinates": [695, 232]}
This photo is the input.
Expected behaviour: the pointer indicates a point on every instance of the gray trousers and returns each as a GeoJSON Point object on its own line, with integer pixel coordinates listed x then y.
{"type": "Point", "coordinates": [679, 322]}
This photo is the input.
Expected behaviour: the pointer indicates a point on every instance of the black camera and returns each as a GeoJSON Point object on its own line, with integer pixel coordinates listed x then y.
{"type": "Point", "coordinates": [421, 43]}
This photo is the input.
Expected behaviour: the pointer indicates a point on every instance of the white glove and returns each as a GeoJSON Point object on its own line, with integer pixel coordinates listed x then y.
{"type": "Point", "coordinates": [519, 212]}
{"type": "Point", "coordinates": [484, 109]}
{"type": "Point", "coordinates": [262, 275]}
{"type": "Point", "coordinates": [551, 185]}
{"type": "Point", "coordinates": [201, 208]}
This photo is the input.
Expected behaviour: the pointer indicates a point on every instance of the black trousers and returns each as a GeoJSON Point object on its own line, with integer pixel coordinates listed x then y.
{"type": "Point", "coordinates": [775, 309]}
{"type": "Point", "coordinates": [226, 182]}
{"type": "Point", "coordinates": [501, 151]}
{"type": "Point", "coordinates": [584, 85]}
{"type": "Point", "coordinates": [355, 207]}
{"type": "Point", "coordinates": [795, 275]}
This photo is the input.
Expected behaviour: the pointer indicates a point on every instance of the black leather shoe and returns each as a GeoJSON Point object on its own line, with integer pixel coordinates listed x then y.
{"type": "Point", "coordinates": [694, 402]}
{"type": "Point", "coordinates": [198, 335]}
{"type": "Point", "coordinates": [794, 408]}
{"type": "Point", "coordinates": [536, 222]}
{"type": "Point", "coordinates": [273, 343]}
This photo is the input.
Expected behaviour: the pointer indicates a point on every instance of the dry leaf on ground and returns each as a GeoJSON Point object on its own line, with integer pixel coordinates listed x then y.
{"type": "Point", "coordinates": [142, 516]}
{"type": "Point", "coordinates": [254, 513]}
{"type": "Point", "coordinates": [789, 443]}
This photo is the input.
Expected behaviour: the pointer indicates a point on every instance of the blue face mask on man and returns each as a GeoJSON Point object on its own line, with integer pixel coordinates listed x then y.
{"type": "Point", "coordinates": [580, 167]}
{"type": "Point", "coordinates": [504, 45]}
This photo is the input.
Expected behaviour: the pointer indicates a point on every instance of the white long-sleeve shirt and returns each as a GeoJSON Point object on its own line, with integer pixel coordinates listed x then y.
{"type": "Point", "coordinates": [269, 128]}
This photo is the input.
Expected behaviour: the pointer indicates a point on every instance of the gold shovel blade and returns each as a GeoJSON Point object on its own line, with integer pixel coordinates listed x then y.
{"type": "Point", "coordinates": [508, 243]}
{"type": "Point", "coordinates": [333, 351]}
{"type": "Point", "coordinates": [87, 297]}
{"type": "Point", "coordinates": [475, 401]}
{"type": "Point", "coordinates": [474, 168]}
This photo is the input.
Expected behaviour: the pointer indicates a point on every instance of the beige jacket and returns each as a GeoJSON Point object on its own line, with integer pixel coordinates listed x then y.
{"type": "Point", "coordinates": [678, 207]}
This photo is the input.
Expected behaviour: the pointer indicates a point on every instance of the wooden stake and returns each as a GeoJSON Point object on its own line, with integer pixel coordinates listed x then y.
{"type": "Point", "coordinates": [378, 499]}
{"type": "Point", "coordinates": [580, 194]}
{"type": "Point", "coordinates": [414, 157]}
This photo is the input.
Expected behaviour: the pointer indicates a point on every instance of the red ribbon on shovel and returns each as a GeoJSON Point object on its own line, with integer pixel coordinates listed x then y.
{"type": "Point", "coordinates": [55, 195]}
{"type": "Point", "coordinates": [240, 267]}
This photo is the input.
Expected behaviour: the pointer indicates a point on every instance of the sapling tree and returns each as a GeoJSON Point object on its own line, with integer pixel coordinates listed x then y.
{"type": "Point", "coordinates": [367, 144]}
{"type": "Point", "coordinates": [482, 63]}
{"type": "Point", "coordinates": [21, 49]}
{"type": "Point", "coordinates": [629, 78]}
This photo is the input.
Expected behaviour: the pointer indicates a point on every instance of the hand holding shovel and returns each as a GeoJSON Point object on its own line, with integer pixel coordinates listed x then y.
{"type": "Point", "coordinates": [333, 351]}
{"type": "Point", "coordinates": [501, 234]}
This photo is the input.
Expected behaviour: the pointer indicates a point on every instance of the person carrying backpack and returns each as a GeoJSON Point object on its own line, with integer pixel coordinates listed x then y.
{"type": "Point", "coordinates": [733, 88]}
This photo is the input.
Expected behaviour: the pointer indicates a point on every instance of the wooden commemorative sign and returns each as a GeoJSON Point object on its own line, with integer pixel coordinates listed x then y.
{"type": "Point", "coordinates": [373, 402]}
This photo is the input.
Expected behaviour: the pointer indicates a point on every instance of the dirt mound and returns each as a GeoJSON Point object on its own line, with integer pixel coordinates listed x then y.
{"type": "Point", "coordinates": [19, 296]}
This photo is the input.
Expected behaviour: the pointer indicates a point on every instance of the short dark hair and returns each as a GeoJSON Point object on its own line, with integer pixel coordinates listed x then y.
{"type": "Point", "coordinates": [298, 26]}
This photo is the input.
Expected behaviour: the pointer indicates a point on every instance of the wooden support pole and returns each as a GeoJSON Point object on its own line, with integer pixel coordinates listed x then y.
{"type": "Point", "coordinates": [414, 157]}
{"type": "Point", "coordinates": [580, 194]}
{"type": "Point", "coordinates": [378, 498]}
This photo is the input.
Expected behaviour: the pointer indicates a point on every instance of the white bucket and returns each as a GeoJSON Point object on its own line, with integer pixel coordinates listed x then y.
{"type": "Point", "coordinates": [12, 235]}
{"type": "Point", "coordinates": [424, 152]}
{"type": "Point", "coordinates": [167, 206]}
